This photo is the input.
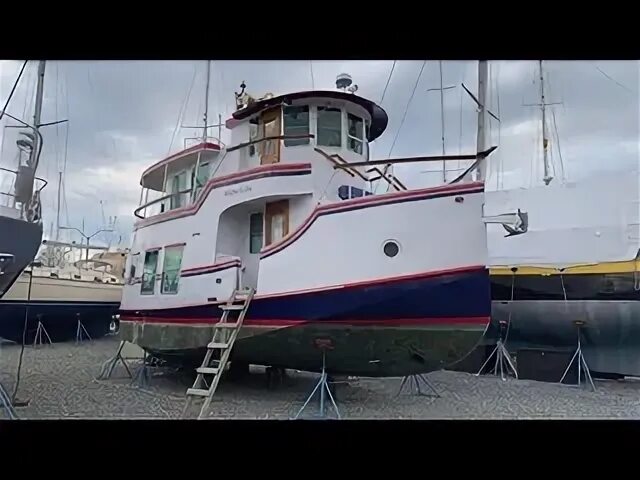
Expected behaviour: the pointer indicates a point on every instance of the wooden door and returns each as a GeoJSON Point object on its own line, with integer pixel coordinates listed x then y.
{"type": "Point", "coordinates": [276, 221]}
{"type": "Point", "coordinates": [270, 127]}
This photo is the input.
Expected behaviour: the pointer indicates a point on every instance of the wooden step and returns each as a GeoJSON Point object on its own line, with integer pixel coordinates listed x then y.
{"type": "Point", "coordinates": [207, 370]}
{"type": "Point", "coordinates": [218, 345]}
{"type": "Point", "coordinates": [199, 392]}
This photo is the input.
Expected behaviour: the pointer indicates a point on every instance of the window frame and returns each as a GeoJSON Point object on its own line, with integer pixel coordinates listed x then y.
{"type": "Point", "coordinates": [351, 137]}
{"type": "Point", "coordinates": [251, 215]}
{"type": "Point", "coordinates": [298, 141]}
{"type": "Point", "coordinates": [321, 108]}
{"type": "Point", "coordinates": [164, 265]}
{"type": "Point", "coordinates": [154, 274]}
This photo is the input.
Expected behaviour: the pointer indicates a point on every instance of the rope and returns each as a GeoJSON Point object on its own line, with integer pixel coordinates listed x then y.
{"type": "Point", "coordinates": [182, 110]}
{"type": "Point", "coordinates": [404, 116]}
{"type": "Point", "coordinates": [13, 89]}
{"type": "Point", "coordinates": [613, 80]}
{"type": "Point", "coordinates": [312, 79]}
{"type": "Point", "coordinates": [388, 81]}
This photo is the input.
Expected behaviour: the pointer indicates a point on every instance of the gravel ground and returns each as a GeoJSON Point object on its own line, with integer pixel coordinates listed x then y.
{"type": "Point", "coordinates": [59, 382]}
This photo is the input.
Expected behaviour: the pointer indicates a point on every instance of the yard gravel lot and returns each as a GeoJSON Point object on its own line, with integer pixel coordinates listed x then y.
{"type": "Point", "coordinates": [59, 383]}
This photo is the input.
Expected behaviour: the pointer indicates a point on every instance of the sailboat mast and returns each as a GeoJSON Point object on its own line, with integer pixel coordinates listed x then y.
{"type": "Point", "coordinates": [483, 75]}
{"type": "Point", "coordinates": [58, 207]}
{"type": "Point", "coordinates": [38, 110]}
{"type": "Point", "coordinates": [444, 162]}
{"type": "Point", "coordinates": [545, 142]}
{"type": "Point", "coordinates": [206, 101]}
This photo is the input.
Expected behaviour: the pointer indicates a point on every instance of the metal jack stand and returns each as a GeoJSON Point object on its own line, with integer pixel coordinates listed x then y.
{"type": "Point", "coordinates": [414, 385]}
{"type": "Point", "coordinates": [581, 360]}
{"type": "Point", "coordinates": [503, 358]}
{"type": "Point", "coordinates": [5, 402]}
{"type": "Point", "coordinates": [110, 365]}
{"type": "Point", "coordinates": [322, 385]}
{"type": "Point", "coordinates": [80, 330]}
{"type": "Point", "coordinates": [38, 340]}
{"type": "Point", "coordinates": [142, 376]}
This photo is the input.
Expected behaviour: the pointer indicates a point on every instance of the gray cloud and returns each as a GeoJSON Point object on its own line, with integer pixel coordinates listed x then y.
{"type": "Point", "coordinates": [122, 116]}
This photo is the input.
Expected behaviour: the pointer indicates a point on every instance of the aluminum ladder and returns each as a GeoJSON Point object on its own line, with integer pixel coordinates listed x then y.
{"type": "Point", "coordinates": [225, 333]}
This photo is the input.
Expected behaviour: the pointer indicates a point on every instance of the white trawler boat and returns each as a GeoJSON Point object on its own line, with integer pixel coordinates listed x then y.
{"type": "Point", "coordinates": [396, 283]}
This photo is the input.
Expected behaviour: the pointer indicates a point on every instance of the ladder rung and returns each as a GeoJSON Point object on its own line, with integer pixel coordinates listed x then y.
{"type": "Point", "coordinates": [207, 370]}
{"type": "Point", "coordinates": [218, 345]}
{"type": "Point", "coordinates": [198, 392]}
{"type": "Point", "coordinates": [232, 307]}
{"type": "Point", "coordinates": [225, 325]}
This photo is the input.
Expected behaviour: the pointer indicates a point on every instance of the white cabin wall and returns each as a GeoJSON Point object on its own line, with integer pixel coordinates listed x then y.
{"type": "Point", "coordinates": [299, 209]}
{"type": "Point", "coordinates": [434, 234]}
{"type": "Point", "coordinates": [595, 220]}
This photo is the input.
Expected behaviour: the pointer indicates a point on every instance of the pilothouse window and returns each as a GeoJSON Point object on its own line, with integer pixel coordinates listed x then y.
{"type": "Point", "coordinates": [329, 127]}
{"type": "Point", "coordinates": [354, 133]}
{"type": "Point", "coordinates": [171, 268]}
{"type": "Point", "coordinates": [296, 122]}
{"type": "Point", "coordinates": [253, 135]}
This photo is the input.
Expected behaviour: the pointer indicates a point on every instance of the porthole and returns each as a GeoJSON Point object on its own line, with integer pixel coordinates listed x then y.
{"type": "Point", "coordinates": [391, 248]}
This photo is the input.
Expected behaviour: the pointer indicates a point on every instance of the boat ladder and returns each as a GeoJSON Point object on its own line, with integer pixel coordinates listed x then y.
{"type": "Point", "coordinates": [215, 360]}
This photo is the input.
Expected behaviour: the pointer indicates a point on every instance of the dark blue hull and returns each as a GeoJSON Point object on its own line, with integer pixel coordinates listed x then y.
{"type": "Point", "coordinates": [60, 319]}
{"type": "Point", "coordinates": [451, 295]}
{"type": "Point", "coordinates": [22, 240]}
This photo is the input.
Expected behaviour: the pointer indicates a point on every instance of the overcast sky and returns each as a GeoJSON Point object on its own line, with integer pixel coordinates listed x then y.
{"type": "Point", "coordinates": [123, 115]}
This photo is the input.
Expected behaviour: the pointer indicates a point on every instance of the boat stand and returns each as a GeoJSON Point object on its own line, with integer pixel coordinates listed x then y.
{"type": "Point", "coordinates": [39, 340]}
{"type": "Point", "coordinates": [582, 363]}
{"type": "Point", "coordinates": [110, 365]}
{"type": "Point", "coordinates": [503, 357]}
{"type": "Point", "coordinates": [80, 330]}
{"type": "Point", "coordinates": [322, 386]}
{"type": "Point", "coordinates": [414, 385]}
{"type": "Point", "coordinates": [143, 376]}
{"type": "Point", "coordinates": [5, 402]}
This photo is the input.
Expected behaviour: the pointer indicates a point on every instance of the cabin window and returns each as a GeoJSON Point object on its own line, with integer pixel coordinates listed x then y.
{"type": "Point", "coordinates": [329, 127]}
{"type": "Point", "coordinates": [296, 122]}
{"type": "Point", "coordinates": [256, 232]}
{"type": "Point", "coordinates": [171, 268]}
{"type": "Point", "coordinates": [149, 272]}
{"type": "Point", "coordinates": [354, 133]}
{"type": "Point", "coordinates": [253, 135]}
{"type": "Point", "coordinates": [201, 178]}
{"type": "Point", "coordinates": [178, 184]}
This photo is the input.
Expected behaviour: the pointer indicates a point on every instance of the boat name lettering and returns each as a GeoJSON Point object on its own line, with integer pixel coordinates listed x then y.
{"type": "Point", "coordinates": [235, 191]}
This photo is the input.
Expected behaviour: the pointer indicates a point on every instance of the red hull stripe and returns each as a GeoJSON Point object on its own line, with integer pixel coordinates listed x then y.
{"type": "Point", "coordinates": [370, 201]}
{"type": "Point", "coordinates": [216, 267]}
{"type": "Point", "coordinates": [396, 322]}
{"type": "Point", "coordinates": [263, 171]}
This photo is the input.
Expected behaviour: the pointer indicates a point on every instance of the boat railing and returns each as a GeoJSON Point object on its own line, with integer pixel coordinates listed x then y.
{"type": "Point", "coordinates": [9, 199]}
{"type": "Point", "coordinates": [187, 196]}
{"type": "Point", "coordinates": [165, 203]}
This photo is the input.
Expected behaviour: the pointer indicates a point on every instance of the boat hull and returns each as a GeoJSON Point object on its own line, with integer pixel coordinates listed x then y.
{"type": "Point", "coordinates": [394, 327]}
{"type": "Point", "coordinates": [60, 319]}
{"type": "Point", "coordinates": [22, 240]}
{"type": "Point", "coordinates": [610, 338]}
{"type": "Point", "coordinates": [58, 303]}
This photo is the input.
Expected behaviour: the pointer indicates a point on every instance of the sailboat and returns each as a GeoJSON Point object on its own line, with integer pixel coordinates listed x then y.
{"type": "Point", "coordinates": [579, 262]}
{"type": "Point", "coordinates": [288, 211]}
{"type": "Point", "coordinates": [20, 208]}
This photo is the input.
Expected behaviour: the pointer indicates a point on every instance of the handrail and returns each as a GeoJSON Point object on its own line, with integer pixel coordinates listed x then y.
{"type": "Point", "coordinates": [344, 162]}
{"type": "Point", "coordinates": [391, 179]}
{"type": "Point", "coordinates": [158, 200]}
{"type": "Point", "coordinates": [16, 173]}
{"type": "Point", "coordinates": [333, 160]}
{"type": "Point", "coordinates": [273, 137]}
